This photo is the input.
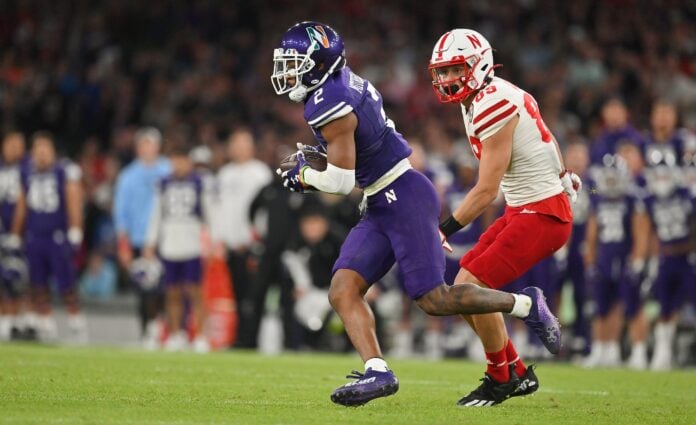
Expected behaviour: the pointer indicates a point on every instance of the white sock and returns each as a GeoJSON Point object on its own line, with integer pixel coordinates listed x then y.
{"type": "Point", "coordinates": [639, 349]}
{"type": "Point", "coordinates": [523, 303]}
{"type": "Point", "coordinates": [376, 364]}
{"type": "Point", "coordinates": [664, 333]}
{"type": "Point", "coordinates": [77, 322]}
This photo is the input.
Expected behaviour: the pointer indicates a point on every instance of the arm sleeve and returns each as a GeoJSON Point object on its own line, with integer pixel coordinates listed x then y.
{"type": "Point", "coordinates": [333, 180]}
{"type": "Point", "coordinates": [297, 265]}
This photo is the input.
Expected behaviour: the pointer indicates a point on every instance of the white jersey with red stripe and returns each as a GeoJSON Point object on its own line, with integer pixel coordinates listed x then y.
{"type": "Point", "coordinates": [533, 173]}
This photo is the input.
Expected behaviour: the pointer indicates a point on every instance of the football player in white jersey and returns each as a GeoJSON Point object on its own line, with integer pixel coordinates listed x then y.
{"type": "Point", "coordinates": [519, 155]}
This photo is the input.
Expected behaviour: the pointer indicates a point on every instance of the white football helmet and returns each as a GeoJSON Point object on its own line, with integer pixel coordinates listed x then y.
{"type": "Point", "coordinates": [146, 272]}
{"type": "Point", "coordinates": [461, 47]}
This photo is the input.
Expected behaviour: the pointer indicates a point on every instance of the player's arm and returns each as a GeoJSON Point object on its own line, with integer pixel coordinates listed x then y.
{"type": "Point", "coordinates": [153, 229]}
{"type": "Point", "coordinates": [73, 198]}
{"type": "Point", "coordinates": [339, 176]}
{"type": "Point", "coordinates": [495, 159]}
{"type": "Point", "coordinates": [19, 217]}
{"type": "Point", "coordinates": [591, 230]}
{"type": "Point", "coordinates": [641, 231]}
{"type": "Point", "coordinates": [124, 252]}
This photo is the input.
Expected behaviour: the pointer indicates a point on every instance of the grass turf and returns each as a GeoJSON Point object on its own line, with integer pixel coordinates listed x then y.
{"type": "Point", "coordinates": [49, 385]}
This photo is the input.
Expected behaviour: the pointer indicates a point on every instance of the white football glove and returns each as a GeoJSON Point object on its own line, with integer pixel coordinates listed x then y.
{"type": "Point", "coordinates": [572, 184]}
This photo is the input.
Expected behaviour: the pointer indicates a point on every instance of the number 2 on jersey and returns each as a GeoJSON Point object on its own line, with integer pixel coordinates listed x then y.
{"type": "Point", "coordinates": [533, 110]}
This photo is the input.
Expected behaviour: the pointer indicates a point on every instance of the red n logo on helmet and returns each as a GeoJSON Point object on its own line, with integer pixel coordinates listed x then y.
{"type": "Point", "coordinates": [441, 47]}
{"type": "Point", "coordinates": [473, 40]}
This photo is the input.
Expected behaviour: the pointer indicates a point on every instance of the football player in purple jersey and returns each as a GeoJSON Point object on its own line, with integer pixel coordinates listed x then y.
{"type": "Point", "coordinates": [671, 209]}
{"type": "Point", "coordinates": [616, 241]}
{"type": "Point", "coordinates": [180, 213]}
{"type": "Point", "coordinates": [49, 220]}
{"type": "Point", "coordinates": [572, 266]}
{"type": "Point", "coordinates": [617, 131]}
{"type": "Point", "coordinates": [12, 265]}
{"type": "Point", "coordinates": [400, 222]}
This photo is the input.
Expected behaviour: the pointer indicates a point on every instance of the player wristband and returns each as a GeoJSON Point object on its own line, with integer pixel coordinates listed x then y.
{"type": "Point", "coordinates": [450, 226]}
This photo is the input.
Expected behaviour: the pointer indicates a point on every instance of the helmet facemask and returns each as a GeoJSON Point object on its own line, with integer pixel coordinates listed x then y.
{"type": "Point", "coordinates": [447, 90]}
{"type": "Point", "coordinates": [290, 64]}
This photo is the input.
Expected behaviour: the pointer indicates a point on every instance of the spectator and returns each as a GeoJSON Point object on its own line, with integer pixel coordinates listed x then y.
{"type": "Point", "coordinates": [239, 182]}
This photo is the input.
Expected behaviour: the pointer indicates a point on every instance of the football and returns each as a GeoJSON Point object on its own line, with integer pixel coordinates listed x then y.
{"type": "Point", "coordinates": [315, 159]}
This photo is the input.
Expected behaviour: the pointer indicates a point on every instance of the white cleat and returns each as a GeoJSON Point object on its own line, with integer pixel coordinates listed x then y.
{"type": "Point", "coordinates": [77, 323]}
{"type": "Point", "coordinates": [151, 339]}
{"type": "Point", "coordinates": [5, 328]}
{"type": "Point", "coordinates": [201, 345]}
{"type": "Point", "coordinates": [639, 358]}
{"type": "Point", "coordinates": [595, 358]}
{"type": "Point", "coordinates": [176, 342]}
{"type": "Point", "coordinates": [47, 329]}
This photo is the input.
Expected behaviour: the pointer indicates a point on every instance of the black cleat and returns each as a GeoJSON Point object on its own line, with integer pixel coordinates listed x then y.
{"type": "Point", "coordinates": [15, 334]}
{"type": "Point", "coordinates": [490, 392]}
{"type": "Point", "coordinates": [528, 383]}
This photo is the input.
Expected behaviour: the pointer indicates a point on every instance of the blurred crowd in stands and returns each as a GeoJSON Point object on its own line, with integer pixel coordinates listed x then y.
{"type": "Point", "coordinates": [196, 74]}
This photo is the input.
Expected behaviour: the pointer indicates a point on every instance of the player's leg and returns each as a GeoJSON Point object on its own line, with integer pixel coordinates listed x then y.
{"type": "Point", "coordinates": [665, 328]}
{"type": "Point", "coordinates": [673, 288]}
{"type": "Point", "coordinates": [516, 247]}
{"type": "Point", "coordinates": [365, 257]}
{"type": "Point", "coordinates": [606, 325]}
{"type": "Point", "coordinates": [174, 305]}
{"type": "Point", "coordinates": [506, 251]}
{"type": "Point", "coordinates": [63, 270]}
{"type": "Point", "coordinates": [194, 293]}
{"type": "Point", "coordinates": [5, 324]}
{"type": "Point", "coordinates": [637, 324]}
{"type": "Point", "coordinates": [40, 318]}
{"type": "Point", "coordinates": [348, 289]}
{"type": "Point", "coordinates": [576, 272]}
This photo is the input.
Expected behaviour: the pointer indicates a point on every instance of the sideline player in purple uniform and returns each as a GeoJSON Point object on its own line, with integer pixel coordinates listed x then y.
{"type": "Point", "coordinates": [175, 230]}
{"type": "Point", "coordinates": [12, 266]}
{"type": "Point", "coordinates": [617, 131]}
{"type": "Point", "coordinates": [402, 208]}
{"type": "Point", "coordinates": [49, 217]}
{"type": "Point", "coordinates": [572, 267]}
{"type": "Point", "coordinates": [616, 241]}
{"type": "Point", "coordinates": [664, 139]}
{"type": "Point", "coordinates": [671, 209]}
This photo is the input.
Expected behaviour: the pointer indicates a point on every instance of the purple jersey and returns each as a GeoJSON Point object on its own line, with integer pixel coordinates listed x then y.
{"type": "Point", "coordinates": [45, 197]}
{"type": "Point", "coordinates": [612, 201]}
{"type": "Point", "coordinates": [608, 141]}
{"type": "Point", "coordinates": [671, 151]}
{"type": "Point", "coordinates": [671, 216]}
{"type": "Point", "coordinates": [379, 147]}
{"type": "Point", "coordinates": [181, 197]}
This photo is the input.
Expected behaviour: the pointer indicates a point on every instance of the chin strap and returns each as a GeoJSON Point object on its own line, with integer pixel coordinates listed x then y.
{"type": "Point", "coordinates": [298, 94]}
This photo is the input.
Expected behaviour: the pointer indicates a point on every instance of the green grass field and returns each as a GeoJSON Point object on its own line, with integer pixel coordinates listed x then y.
{"type": "Point", "coordinates": [49, 385]}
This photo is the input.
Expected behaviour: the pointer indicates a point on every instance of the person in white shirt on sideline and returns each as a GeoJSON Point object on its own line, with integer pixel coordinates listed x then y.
{"type": "Point", "coordinates": [238, 183]}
